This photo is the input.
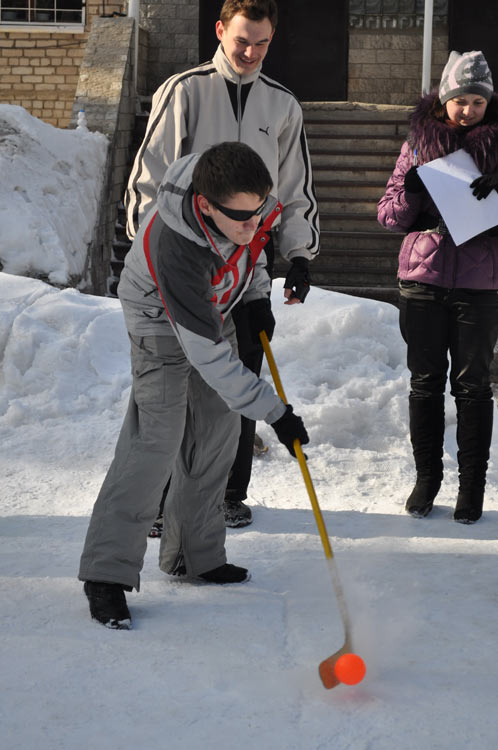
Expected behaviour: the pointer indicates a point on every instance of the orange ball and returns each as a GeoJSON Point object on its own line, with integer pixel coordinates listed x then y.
{"type": "Point", "coordinates": [350, 669]}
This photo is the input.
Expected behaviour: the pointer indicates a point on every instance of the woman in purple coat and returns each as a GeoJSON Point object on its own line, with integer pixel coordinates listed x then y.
{"type": "Point", "coordinates": [448, 294]}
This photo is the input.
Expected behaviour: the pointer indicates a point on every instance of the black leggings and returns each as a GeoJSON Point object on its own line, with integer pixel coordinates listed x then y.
{"type": "Point", "coordinates": [436, 322]}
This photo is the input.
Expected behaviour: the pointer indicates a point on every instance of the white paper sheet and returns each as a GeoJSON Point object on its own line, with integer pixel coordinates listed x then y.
{"type": "Point", "coordinates": [447, 180]}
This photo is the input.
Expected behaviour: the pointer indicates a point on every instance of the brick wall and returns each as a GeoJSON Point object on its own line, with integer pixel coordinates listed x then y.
{"type": "Point", "coordinates": [172, 27]}
{"type": "Point", "coordinates": [386, 67]}
{"type": "Point", "coordinates": [39, 70]}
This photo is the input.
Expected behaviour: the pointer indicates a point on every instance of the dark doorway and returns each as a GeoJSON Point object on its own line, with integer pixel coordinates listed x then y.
{"type": "Point", "coordinates": [309, 53]}
{"type": "Point", "coordinates": [474, 26]}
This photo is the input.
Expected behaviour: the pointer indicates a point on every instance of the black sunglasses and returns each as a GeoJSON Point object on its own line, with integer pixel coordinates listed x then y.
{"type": "Point", "coordinates": [237, 215]}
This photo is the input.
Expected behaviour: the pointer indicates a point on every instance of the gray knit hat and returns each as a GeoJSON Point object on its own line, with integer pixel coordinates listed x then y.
{"type": "Point", "coordinates": [465, 74]}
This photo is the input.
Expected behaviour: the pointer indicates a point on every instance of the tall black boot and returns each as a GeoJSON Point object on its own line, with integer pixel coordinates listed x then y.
{"type": "Point", "coordinates": [474, 431]}
{"type": "Point", "coordinates": [427, 437]}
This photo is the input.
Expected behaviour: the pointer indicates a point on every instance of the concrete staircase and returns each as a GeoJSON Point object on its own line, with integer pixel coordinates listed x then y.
{"type": "Point", "coordinates": [121, 243]}
{"type": "Point", "coordinates": [353, 149]}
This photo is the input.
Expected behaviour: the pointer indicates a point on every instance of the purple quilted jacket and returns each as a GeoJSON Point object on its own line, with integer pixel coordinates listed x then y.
{"type": "Point", "coordinates": [431, 257]}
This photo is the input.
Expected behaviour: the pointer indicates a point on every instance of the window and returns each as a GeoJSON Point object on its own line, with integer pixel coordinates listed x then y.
{"type": "Point", "coordinates": [40, 12]}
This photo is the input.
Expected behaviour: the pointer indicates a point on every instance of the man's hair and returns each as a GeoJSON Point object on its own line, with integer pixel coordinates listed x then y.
{"type": "Point", "coordinates": [229, 168]}
{"type": "Point", "coordinates": [254, 10]}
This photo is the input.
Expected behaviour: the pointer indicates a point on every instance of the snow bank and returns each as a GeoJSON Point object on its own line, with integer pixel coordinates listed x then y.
{"type": "Point", "coordinates": [346, 362]}
{"type": "Point", "coordinates": [65, 352]}
{"type": "Point", "coordinates": [62, 352]}
{"type": "Point", "coordinates": [49, 193]}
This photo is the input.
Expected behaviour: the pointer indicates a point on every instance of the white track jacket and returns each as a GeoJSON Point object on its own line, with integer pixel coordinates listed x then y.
{"type": "Point", "coordinates": [211, 103]}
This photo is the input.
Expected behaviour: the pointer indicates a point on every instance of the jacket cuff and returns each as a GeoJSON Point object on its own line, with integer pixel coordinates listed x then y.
{"type": "Point", "coordinates": [301, 253]}
{"type": "Point", "coordinates": [277, 412]}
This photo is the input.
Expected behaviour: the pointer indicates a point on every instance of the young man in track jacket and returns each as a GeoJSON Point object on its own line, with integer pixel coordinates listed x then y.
{"type": "Point", "coordinates": [229, 98]}
{"type": "Point", "coordinates": [198, 253]}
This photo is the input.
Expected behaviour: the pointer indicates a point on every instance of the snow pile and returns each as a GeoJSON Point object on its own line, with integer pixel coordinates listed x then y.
{"type": "Point", "coordinates": [355, 390]}
{"type": "Point", "coordinates": [51, 340]}
{"type": "Point", "coordinates": [49, 193]}
{"type": "Point", "coordinates": [347, 367]}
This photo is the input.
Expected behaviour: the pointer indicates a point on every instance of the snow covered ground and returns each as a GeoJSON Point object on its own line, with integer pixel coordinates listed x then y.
{"type": "Point", "coordinates": [49, 191]}
{"type": "Point", "coordinates": [235, 667]}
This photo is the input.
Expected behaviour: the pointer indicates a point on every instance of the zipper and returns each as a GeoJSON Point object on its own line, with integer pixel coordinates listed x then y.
{"type": "Point", "coordinates": [239, 107]}
{"type": "Point", "coordinates": [455, 255]}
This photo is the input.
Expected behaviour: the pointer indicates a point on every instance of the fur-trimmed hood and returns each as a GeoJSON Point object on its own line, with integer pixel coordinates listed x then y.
{"type": "Point", "coordinates": [433, 138]}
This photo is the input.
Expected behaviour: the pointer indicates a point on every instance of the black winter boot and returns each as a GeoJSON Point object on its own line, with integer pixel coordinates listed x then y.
{"type": "Point", "coordinates": [108, 604]}
{"type": "Point", "coordinates": [474, 431]}
{"type": "Point", "coordinates": [427, 436]}
{"type": "Point", "coordinates": [422, 497]}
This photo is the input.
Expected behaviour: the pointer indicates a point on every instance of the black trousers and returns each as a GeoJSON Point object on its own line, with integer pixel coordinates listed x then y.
{"type": "Point", "coordinates": [437, 322]}
{"type": "Point", "coordinates": [252, 357]}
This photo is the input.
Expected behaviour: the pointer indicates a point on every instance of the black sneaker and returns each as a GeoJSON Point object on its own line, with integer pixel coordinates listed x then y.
{"type": "Point", "coordinates": [108, 604]}
{"type": "Point", "coordinates": [156, 529]}
{"type": "Point", "coordinates": [237, 513]}
{"type": "Point", "coordinates": [226, 574]}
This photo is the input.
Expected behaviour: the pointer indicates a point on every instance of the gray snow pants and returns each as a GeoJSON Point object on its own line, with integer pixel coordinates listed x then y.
{"type": "Point", "coordinates": [176, 425]}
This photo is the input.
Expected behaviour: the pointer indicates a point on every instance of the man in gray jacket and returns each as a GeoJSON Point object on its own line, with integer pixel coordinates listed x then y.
{"type": "Point", "coordinates": [197, 254]}
{"type": "Point", "coordinates": [229, 98]}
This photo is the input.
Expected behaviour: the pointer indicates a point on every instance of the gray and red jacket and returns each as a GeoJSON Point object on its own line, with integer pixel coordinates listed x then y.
{"type": "Point", "coordinates": [182, 279]}
{"type": "Point", "coordinates": [211, 103]}
{"type": "Point", "coordinates": [427, 255]}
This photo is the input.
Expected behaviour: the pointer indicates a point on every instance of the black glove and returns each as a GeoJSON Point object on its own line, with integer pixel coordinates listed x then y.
{"type": "Point", "coordinates": [482, 186]}
{"type": "Point", "coordinates": [260, 318]}
{"type": "Point", "coordinates": [413, 183]}
{"type": "Point", "coordinates": [288, 428]}
{"type": "Point", "coordinates": [298, 278]}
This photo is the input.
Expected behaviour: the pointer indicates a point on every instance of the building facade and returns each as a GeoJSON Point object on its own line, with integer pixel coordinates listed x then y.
{"type": "Point", "coordinates": [357, 50]}
{"type": "Point", "coordinates": [372, 49]}
{"type": "Point", "coordinates": [42, 47]}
